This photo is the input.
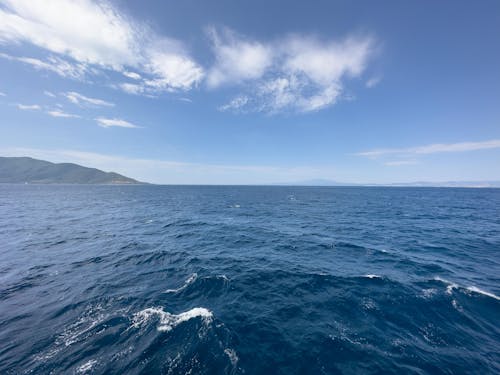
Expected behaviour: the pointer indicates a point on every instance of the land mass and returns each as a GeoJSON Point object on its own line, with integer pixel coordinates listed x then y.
{"type": "Point", "coordinates": [21, 170]}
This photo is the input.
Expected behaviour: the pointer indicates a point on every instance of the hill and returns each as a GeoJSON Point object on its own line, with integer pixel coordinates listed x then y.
{"type": "Point", "coordinates": [20, 170]}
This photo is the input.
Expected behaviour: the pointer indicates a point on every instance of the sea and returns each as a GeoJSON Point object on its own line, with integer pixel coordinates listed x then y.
{"type": "Point", "coordinates": [153, 279]}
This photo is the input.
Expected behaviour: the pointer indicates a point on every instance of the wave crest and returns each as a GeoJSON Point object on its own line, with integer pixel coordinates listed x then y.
{"type": "Point", "coordinates": [168, 321]}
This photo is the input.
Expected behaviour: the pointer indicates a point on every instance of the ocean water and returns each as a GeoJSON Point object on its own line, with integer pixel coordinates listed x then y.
{"type": "Point", "coordinates": [249, 280]}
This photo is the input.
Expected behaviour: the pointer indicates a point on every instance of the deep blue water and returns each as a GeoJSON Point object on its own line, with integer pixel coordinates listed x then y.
{"type": "Point", "coordinates": [249, 280]}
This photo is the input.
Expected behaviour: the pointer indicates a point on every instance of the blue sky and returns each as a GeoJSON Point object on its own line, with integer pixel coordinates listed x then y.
{"type": "Point", "coordinates": [254, 92]}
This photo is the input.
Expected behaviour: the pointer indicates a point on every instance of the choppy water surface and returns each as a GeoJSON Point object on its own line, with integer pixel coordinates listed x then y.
{"type": "Point", "coordinates": [249, 280]}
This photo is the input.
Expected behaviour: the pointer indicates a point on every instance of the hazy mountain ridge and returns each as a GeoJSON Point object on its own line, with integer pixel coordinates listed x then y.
{"type": "Point", "coordinates": [470, 184]}
{"type": "Point", "coordinates": [20, 170]}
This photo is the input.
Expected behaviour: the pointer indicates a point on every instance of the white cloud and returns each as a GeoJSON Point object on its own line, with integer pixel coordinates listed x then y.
{"type": "Point", "coordinates": [324, 62]}
{"type": "Point", "coordinates": [397, 163]}
{"type": "Point", "coordinates": [132, 75]}
{"type": "Point", "coordinates": [87, 36]}
{"type": "Point", "coordinates": [109, 122]}
{"type": "Point", "coordinates": [82, 100]}
{"type": "Point", "coordinates": [236, 58]}
{"type": "Point", "coordinates": [372, 82]}
{"type": "Point", "coordinates": [58, 113]}
{"type": "Point", "coordinates": [28, 107]}
{"type": "Point", "coordinates": [172, 71]}
{"type": "Point", "coordinates": [433, 148]}
{"type": "Point", "coordinates": [3, 94]}
{"type": "Point", "coordinates": [48, 93]}
{"type": "Point", "coordinates": [132, 88]}
{"type": "Point", "coordinates": [235, 104]}
{"type": "Point", "coordinates": [53, 64]}
{"type": "Point", "coordinates": [297, 73]}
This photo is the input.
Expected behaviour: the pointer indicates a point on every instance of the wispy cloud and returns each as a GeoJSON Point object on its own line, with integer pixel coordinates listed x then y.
{"type": "Point", "coordinates": [49, 93]}
{"type": "Point", "coordinates": [58, 113]}
{"type": "Point", "coordinates": [72, 31]}
{"type": "Point", "coordinates": [83, 100]}
{"type": "Point", "coordinates": [132, 75]}
{"type": "Point", "coordinates": [433, 148]}
{"type": "Point", "coordinates": [53, 64]}
{"type": "Point", "coordinates": [235, 104]}
{"type": "Point", "coordinates": [28, 107]}
{"type": "Point", "coordinates": [372, 82]}
{"type": "Point", "coordinates": [397, 163]}
{"type": "Point", "coordinates": [237, 58]}
{"type": "Point", "coordinates": [110, 122]}
{"type": "Point", "coordinates": [298, 73]}
{"type": "Point", "coordinates": [133, 88]}
{"type": "Point", "coordinates": [3, 94]}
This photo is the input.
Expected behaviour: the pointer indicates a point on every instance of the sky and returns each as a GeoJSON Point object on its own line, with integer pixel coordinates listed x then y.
{"type": "Point", "coordinates": [255, 92]}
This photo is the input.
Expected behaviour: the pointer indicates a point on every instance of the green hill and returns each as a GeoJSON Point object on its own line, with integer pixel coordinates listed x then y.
{"type": "Point", "coordinates": [20, 170]}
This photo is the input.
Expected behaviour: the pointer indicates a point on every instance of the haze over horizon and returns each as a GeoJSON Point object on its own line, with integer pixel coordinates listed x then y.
{"type": "Point", "coordinates": [228, 93]}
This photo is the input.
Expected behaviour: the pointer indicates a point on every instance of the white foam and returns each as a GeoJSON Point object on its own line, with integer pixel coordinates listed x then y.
{"type": "Point", "coordinates": [169, 321]}
{"type": "Point", "coordinates": [483, 292]}
{"type": "Point", "coordinates": [233, 357]}
{"type": "Point", "coordinates": [223, 277]}
{"type": "Point", "coordinates": [456, 305]}
{"type": "Point", "coordinates": [474, 289]}
{"type": "Point", "coordinates": [87, 366]}
{"type": "Point", "coordinates": [429, 293]}
{"type": "Point", "coordinates": [189, 280]}
{"type": "Point", "coordinates": [371, 276]}
{"type": "Point", "coordinates": [82, 328]}
{"type": "Point", "coordinates": [450, 287]}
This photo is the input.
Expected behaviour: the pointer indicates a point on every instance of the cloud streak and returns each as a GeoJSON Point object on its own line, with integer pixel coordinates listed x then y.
{"type": "Point", "coordinates": [398, 163]}
{"type": "Point", "coordinates": [58, 113]}
{"type": "Point", "coordinates": [83, 100]}
{"type": "Point", "coordinates": [28, 107]}
{"type": "Point", "coordinates": [52, 64]}
{"type": "Point", "coordinates": [433, 149]}
{"type": "Point", "coordinates": [114, 122]}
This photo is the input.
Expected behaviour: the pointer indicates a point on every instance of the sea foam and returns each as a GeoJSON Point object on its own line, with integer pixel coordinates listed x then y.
{"type": "Point", "coordinates": [474, 289]}
{"type": "Point", "coordinates": [483, 292]}
{"type": "Point", "coordinates": [189, 280]}
{"type": "Point", "coordinates": [168, 321]}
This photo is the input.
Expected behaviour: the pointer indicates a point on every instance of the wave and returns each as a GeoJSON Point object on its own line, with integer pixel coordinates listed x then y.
{"type": "Point", "coordinates": [188, 281]}
{"type": "Point", "coordinates": [451, 286]}
{"type": "Point", "coordinates": [233, 357]}
{"type": "Point", "coordinates": [475, 289]}
{"type": "Point", "coordinates": [168, 321]}
{"type": "Point", "coordinates": [86, 367]}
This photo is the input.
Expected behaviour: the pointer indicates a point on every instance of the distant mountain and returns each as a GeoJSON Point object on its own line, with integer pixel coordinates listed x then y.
{"type": "Point", "coordinates": [470, 184]}
{"type": "Point", "coordinates": [316, 182]}
{"type": "Point", "coordinates": [20, 170]}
